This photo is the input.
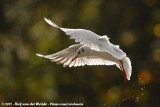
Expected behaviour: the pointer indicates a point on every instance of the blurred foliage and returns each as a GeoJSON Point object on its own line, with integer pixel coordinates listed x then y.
{"type": "Point", "coordinates": [24, 77]}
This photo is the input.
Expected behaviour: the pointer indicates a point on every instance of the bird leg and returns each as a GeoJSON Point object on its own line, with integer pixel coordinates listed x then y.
{"type": "Point", "coordinates": [123, 71]}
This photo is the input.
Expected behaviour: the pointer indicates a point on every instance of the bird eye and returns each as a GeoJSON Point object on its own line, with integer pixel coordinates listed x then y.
{"type": "Point", "coordinates": [82, 50]}
{"type": "Point", "coordinates": [78, 52]}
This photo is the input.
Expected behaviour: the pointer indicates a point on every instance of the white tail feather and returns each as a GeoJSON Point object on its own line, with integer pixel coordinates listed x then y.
{"type": "Point", "coordinates": [51, 23]}
{"type": "Point", "coordinates": [127, 67]}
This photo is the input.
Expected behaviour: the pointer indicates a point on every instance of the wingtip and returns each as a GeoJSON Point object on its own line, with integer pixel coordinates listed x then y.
{"type": "Point", "coordinates": [40, 55]}
{"type": "Point", "coordinates": [44, 18]}
{"type": "Point", "coordinates": [50, 22]}
{"type": "Point", "coordinates": [47, 20]}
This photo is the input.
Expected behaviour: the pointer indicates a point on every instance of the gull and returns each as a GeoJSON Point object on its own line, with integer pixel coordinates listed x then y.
{"type": "Point", "coordinates": [91, 50]}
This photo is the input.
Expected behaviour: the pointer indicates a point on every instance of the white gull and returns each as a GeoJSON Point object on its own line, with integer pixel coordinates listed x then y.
{"type": "Point", "coordinates": [92, 50]}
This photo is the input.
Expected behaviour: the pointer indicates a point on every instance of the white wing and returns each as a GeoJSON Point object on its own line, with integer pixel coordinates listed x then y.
{"type": "Point", "coordinates": [90, 61]}
{"type": "Point", "coordinates": [92, 40]}
{"type": "Point", "coordinates": [65, 57]}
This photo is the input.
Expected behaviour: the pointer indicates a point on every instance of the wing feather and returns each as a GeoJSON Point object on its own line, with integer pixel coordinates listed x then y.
{"type": "Point", "coordinates": [92, 40]}
{"type": "Point", "coordinates": [65, 56]}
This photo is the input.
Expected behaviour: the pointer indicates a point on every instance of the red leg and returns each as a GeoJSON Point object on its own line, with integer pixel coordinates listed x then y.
{"type": "Point", "coordinates": [123, 71]}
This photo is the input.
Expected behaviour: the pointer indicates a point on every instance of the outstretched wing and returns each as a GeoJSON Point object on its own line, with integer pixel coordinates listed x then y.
{"type": "Point", "coordinates": [63, 57]}
{"type": "Point", "coordinates": [92, 40]}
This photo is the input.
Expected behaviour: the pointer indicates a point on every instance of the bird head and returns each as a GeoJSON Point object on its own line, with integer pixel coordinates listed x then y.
{"type": "Point", "coordinates": [81, 52]}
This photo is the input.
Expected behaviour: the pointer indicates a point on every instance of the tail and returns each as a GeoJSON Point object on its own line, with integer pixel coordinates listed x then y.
{"type": "Point", "coordinates": [51, 23]}
{"type": "Point", "coordinates": [127, 67]}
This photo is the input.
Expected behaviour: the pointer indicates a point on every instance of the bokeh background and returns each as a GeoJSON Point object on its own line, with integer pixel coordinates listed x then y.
{"type": "Point", "coordinates": [25, 77]}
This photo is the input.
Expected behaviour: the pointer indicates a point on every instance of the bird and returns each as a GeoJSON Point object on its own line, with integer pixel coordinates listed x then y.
{"type": "Point", "coordinates": [91, 49]}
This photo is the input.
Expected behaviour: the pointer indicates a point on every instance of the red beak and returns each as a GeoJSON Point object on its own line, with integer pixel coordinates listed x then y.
{"type": "Point", "coordinates": [74, 58]}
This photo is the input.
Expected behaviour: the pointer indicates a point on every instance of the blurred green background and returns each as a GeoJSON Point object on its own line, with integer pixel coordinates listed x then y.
{"type": "Point", "coordinates": [25, 77]}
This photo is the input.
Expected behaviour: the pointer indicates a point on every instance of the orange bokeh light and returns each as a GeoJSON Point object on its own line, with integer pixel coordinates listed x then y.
{"type": "Point", "coordinates": [144, 77]}
{"type": "Point", "coordinates": [156, 30]}
{"type": "Point", "coordinates": [156, 55]}
{"type": "Point", "coordinates": [150, 3]}
{"type": "Point", "coordinates": [127, 39]}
